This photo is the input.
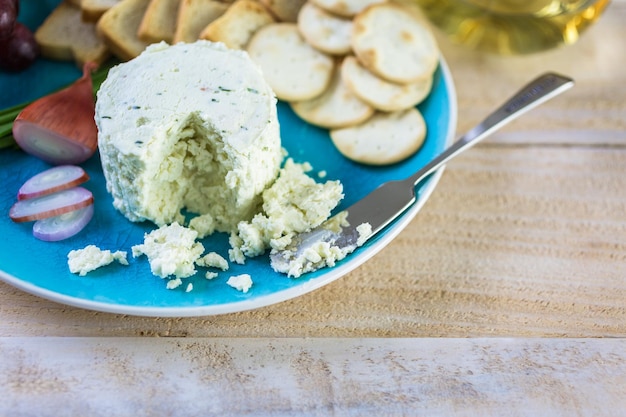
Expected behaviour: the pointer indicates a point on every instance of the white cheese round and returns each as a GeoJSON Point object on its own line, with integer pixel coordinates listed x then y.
{"type": "Point", "coordinates": [188, 126]}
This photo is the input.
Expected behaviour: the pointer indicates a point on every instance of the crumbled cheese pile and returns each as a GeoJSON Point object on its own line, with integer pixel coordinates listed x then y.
{"type": "Point", "coordinates": [295, 203]}
{"type": "Point", "coordinates": [322, 252]}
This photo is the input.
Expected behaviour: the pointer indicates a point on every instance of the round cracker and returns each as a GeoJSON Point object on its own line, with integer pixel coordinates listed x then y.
{"type": "Point", "coordinates": [394, 44]}
{"type": "Point", "coordinates": [345, 8]}
{"type": "Point", "coordinates": [381, 94]}
{"type": "Point", "coordinates": [293, 68]}
{"type": "Point", "coordinates": [325, 31]}
{"type": "Point", "coordinates": [384, 139]}
{"type": "Point", "coordinates": [336, 107]}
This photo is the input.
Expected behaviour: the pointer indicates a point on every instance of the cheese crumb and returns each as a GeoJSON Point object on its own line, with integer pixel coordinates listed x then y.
{"type": "Point", "coordinates": [211, 275]}
{"type": "Point", "coordinates": [173, 283]}
{"type": "Point", "coordinates": [189, 287]}
{"type": "Point", "coordinates": [365, 231]}
{"type": "Point", "coordinates": [82, 261]}
{"type": "Point", "coordinates": [213, 259]}
{"type": "Point", "coordinates": [241, 282]}
{"type": "Point", "coordinates": [171, 250]}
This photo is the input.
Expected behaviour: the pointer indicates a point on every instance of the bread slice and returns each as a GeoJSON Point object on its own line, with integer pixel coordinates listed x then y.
{"type": "Point", "coordinates": [118, 26]}
{"type": "Point", "coordinates": [194, 16]}
{"type": "Point", "coordinates": [237, 25]}
{"type": "Point", "coordinates": [64, 36]}
{"type": "Point", "coordinates": [94, 9]}
{"type": "Point", "coordinates": [159, 21]}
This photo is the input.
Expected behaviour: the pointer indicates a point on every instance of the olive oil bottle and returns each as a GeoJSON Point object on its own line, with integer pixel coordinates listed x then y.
{"type": "Point", "coordinates": [513, 26]}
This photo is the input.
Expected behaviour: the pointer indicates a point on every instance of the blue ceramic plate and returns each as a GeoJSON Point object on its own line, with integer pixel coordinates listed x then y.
{"type": "Point", "coordinates": [41, 268]}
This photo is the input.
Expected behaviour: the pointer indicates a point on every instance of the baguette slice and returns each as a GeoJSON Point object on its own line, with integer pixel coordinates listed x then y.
{"type": "Point", "coordinates": [159, 22]}
{"type": "Point", "coordinates": [64, 36]}
{"type": "Point", "coordinates": [194, 16]}
{"type": "Point", "coordinates": [94, 9]}
{"type": "Point", "coordinates": [237, 25]}
{"type": "Point", "coordinates": [119, 26]}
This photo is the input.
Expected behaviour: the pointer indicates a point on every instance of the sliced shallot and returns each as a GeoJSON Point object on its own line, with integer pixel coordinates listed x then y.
{"type": "Point", "coordinates": [52, 180]}
{"type": "Point", "coordinates": [63, 226]}
{"type": "Point", "coordinates": [51, 205]}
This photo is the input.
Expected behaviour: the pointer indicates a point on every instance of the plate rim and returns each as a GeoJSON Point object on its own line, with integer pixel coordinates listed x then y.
{"type": "Point", "coordinates": [277, 297]}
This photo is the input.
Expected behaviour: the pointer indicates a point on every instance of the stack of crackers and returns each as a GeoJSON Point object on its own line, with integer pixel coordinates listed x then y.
{"type": "Point", "coordinates": [356, 67]}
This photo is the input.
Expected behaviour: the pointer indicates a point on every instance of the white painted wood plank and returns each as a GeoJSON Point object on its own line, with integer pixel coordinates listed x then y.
{"type": "Point", "coordinates": [312, 377]}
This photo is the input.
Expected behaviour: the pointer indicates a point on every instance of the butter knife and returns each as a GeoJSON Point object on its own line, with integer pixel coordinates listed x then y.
{"type": "Point", "coordinates": [391, 199]}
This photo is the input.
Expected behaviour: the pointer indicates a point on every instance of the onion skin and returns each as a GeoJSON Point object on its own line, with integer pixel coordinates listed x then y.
{"type": "Point", "coordinates": [65, 120]}
{"type": "Point", "coordinates": [50, 205]}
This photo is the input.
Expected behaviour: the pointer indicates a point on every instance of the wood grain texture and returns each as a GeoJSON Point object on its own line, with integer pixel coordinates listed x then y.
{"type": "Point", "coordinates": [312, 377]}
{"type": "Point", "coordinates": [525, 235]}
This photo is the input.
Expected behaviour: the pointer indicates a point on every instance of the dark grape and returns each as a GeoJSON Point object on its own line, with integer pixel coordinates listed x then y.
{"type": "Point", "coordinates": [8, 15]}
{"type": "Point", "coordinates": [20, 50]}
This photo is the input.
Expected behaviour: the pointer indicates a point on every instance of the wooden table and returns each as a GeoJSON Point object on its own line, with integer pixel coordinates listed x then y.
{"type": "Point", "coordinates": [505, 296]}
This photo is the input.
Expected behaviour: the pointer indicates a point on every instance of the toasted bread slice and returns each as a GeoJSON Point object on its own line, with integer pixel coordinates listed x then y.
{"type": "Point", "coordinates": [159, 22]}
{"type": "Point", "coordinates": [118, 26]}
{"type": "Point", "coordinates": [64, 36]}
{"type": "Point", "coordinates": [237, 25]}
{"type": "Point", "coordinates": [94, 9]}
{"type": "Point", "coordinates": [194, 16]}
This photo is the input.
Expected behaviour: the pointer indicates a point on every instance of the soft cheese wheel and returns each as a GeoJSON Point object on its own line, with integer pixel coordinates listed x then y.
{"type": "Point", "coordinates": [394, 43]}
{"type": "Point", "coordinates": [384, 139]}
{"type": "Point", "coordinates": [188, 126]}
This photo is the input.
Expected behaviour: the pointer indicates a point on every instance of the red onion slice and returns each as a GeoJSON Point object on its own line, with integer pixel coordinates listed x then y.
{"type": "Point", "coordinates": [61, 227]}
{"type": "Point", "coordinates": [52, 180]}
{"type": "Point", "coordinates": [50, 205]}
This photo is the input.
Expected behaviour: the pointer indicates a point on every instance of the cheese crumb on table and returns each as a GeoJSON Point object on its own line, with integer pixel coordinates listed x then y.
{"type": "Point", "coordinates": [171, 250]}
{"type": "Point", "coordinates": [82, 261]}
{"type": "Point", "coordinates": [241, 282]}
